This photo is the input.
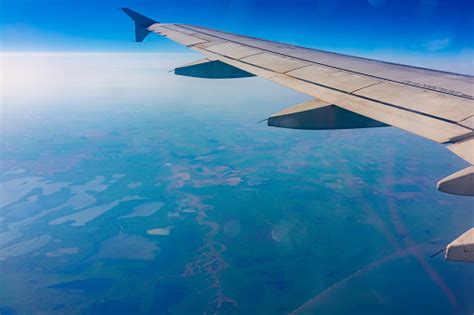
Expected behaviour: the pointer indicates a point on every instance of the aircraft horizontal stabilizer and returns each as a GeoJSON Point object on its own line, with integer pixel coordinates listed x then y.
{"type": "Point", "coordinates": [211, 69]}
{"type": "Point", "coordinates": [319, 115]}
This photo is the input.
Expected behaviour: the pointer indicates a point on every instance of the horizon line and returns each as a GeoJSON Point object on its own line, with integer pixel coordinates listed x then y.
{"type": "Point", "coordinates": [3, 53]}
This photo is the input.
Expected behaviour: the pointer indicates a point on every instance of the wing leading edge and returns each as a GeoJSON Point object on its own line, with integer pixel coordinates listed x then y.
{"type": "Point", "coordinates": [356, 92]}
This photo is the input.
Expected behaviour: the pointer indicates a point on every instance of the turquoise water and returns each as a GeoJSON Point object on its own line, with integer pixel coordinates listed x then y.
{"type": "Point", "coordinates": [127, 190]}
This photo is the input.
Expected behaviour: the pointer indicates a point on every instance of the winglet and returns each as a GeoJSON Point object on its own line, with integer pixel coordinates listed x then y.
{"type": "Point", "coordinates": [141, 24]}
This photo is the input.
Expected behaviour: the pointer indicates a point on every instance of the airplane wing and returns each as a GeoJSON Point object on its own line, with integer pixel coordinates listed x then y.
{"type": "Point", "coordinates": [349, 92]}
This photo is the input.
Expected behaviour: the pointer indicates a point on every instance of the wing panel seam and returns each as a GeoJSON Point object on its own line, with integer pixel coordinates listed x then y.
{"type": "Point", "coordinates": [364, 87]}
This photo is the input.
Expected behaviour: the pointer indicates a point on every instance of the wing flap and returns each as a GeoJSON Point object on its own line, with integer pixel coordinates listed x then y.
{"type": "Point", "coordinates": [469, 122]}
{"type": "Point", "coordinates": [333, 78]}
{"type": "Point", "coordinates": [234, 51]}
{"type": "Point", "coordinates": [465, 149]}
{"type": "Point", "coordinates": [432, 103]}
{"type": "Point", "coordinates": [258, 71]}
{"type": "Point", "coordinates": [275, 62]}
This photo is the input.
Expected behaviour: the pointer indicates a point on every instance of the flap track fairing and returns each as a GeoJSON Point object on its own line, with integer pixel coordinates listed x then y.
{"type": "Point", "coordinates": [319, 115]}
{"type": "Point", "coordinates": [459, 183]}
{"type": "Point", "coordinates": [211, 69]}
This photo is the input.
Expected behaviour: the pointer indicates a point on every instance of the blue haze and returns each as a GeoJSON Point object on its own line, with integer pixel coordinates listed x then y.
{"type": "Point", "coordinates": [436, 33]}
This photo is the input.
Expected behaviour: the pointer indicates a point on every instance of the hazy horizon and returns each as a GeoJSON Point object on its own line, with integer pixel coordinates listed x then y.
{"type": "Point", "coordinates": [433, 34]}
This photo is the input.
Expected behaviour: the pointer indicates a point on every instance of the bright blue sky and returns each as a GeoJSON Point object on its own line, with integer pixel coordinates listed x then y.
{"type": "Point", "coordinates": [442, 29]}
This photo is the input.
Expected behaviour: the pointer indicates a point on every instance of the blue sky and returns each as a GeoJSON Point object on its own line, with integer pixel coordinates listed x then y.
{"type": "Point", "coordinates": [438, 31]}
